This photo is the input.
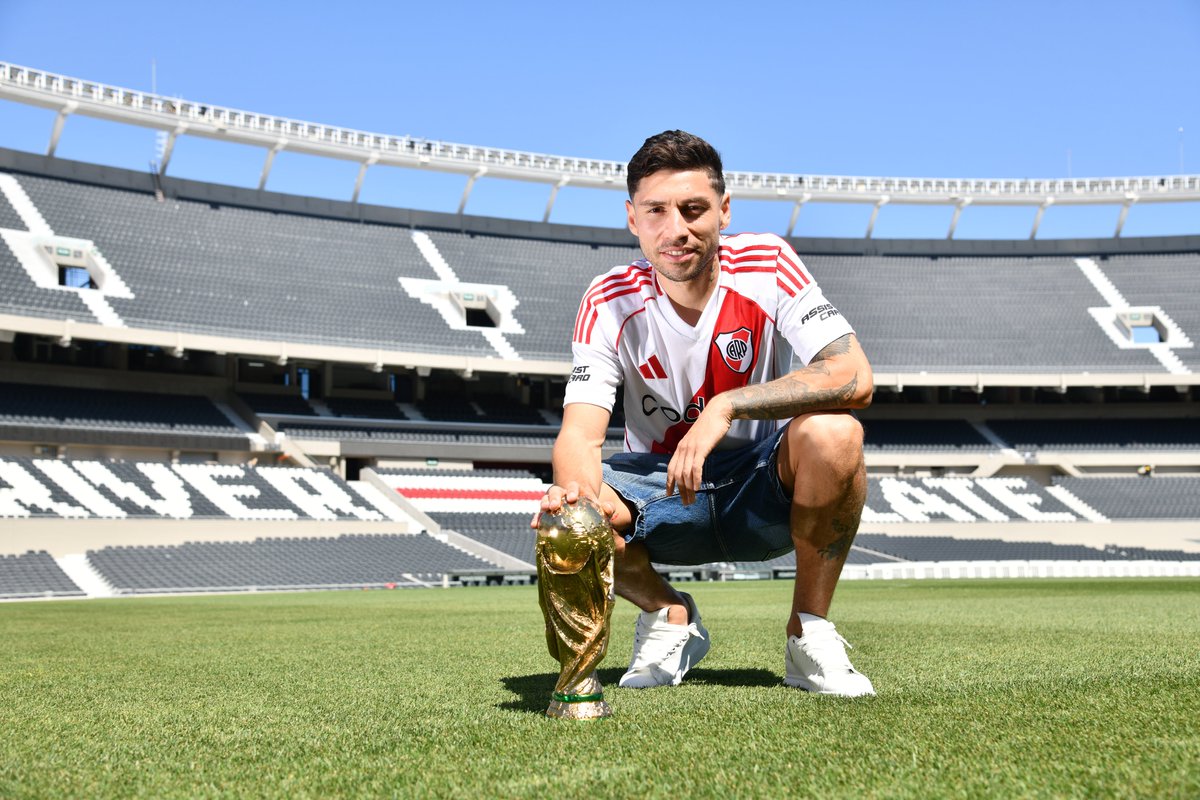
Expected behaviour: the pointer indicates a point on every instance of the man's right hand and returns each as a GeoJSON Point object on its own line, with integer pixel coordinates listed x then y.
{"type": "Point", "coordinates": [556, 495]}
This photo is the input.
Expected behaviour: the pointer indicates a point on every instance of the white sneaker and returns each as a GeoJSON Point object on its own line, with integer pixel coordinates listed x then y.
{"type": "Point", "coordinates": [817, 661]}
{"type": "Point", "coordinates": [662, 652]}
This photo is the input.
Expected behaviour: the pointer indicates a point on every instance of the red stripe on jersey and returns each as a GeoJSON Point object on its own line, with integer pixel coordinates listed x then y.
{"type": "Point", "coordinates": [759, 246]}
{"type": "Point", "coordinates": [631, 274]}
{"type": "Point", "coordinates": [587, 339]}
{"type": "Point", "coordinates": [731, 270]}
{"type": "Point", "coordinates": [736, 312]}
{"type": "Point", "coordinates": [587, 309]}
{"type": "Point", "coordinates": [657, 366]}
{"type": "Point", "coordinates": [766, 258]}
{"type": "Point", "coordinates": [793, 270]}
{"type": "Point", "coordinates": [645, 370]}
{"type": "Point", "coordinates": [785, 287]}
{"type": "Point", "coordinates": [635, 284]}
{"type": "Point", "coordinates": [586, 304]}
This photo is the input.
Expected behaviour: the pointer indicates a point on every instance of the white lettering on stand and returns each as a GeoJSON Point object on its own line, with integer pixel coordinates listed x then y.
{"type": "Point", "coordinates": [27, 493]}
{"type": "Point", "coordinates": [915, 504]}
{"type": "Point", "coordinates": [322, 503]}
{"type": "Point", "coordinates": [227, 496]}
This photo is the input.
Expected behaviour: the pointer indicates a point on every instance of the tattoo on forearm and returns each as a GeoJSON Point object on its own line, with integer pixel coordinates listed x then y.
{"type": "Point", "coordinates": [793, 394]}
{"type": "Point", "coordinates": [790, 396]}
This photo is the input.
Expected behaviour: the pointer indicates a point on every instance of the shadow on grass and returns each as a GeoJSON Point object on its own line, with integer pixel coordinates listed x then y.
{"type": "Point", "coordinates": [533, 691]}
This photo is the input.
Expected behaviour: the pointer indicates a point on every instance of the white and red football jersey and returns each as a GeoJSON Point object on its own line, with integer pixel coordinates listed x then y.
{"type": "Point", "coordinates": [765, 307]}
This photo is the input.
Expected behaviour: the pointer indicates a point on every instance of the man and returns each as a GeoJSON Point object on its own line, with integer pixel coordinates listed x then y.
{"type": "Point", "coordinates": [730, 454]}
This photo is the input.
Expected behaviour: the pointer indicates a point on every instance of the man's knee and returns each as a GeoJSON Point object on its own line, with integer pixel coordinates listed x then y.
{"type": "Point", "coordinates": [826, 436]}
{"type": "Point", "coordinates": [829, 442]}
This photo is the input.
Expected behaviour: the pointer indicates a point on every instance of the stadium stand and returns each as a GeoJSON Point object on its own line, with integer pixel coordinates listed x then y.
{"type": "Point", "coordinates": [1170, 281]}
{"type": "Point", "coordinates": [426, 436]}
{"type": "Point", "coordinates": [9, 218]}
{"type": "Point", "coordinates": [34, 487]}
{"type": "Point", "coordinates": [345, 561]}
{"type": "Point", "coordinates": [282, 271]}
{"type": "Point", "coordinates": [364, 407]}
{"type": "Point", "coordinates": [34, 574]}
{"type": "Point", "coordinates": [278, 404]}
{"type": "Point", "coordinates": [196, 266]}
{"type": "Point", "coordinates": [988, 315]}
{"type": "Point", "coordinates": [923, 434]}
{"type": "Point", "coordinates": [481, 409]}
{"type": "Point", "coordinates": [336, 281]}
{"type": "Point", "coordinates": [946, 548]}
{"type": "Point", "coordinates": [22, 296]}
{"type": "Point", "coordinates": [959, 499]}
{"type": "Point", "coordinates": [507, 532]}
{"type": "Point", "coordinates": [468, 491]}
{"type": "Point", "coordinates": [547, 277]}
{"type": "Point", "coordinates": [1160, 497]}
{"type": "Point", "coordinates": [59, 414]}
{"type": "Point", "coordinates": [1099, 434]}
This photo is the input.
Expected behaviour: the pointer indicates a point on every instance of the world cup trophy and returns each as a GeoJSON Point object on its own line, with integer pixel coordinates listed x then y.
{"type": "Point", "coordinates": [575, 590]}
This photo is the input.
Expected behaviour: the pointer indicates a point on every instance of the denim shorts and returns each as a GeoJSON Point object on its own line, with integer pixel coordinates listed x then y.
{"type": "Point", "coordinates": [741, 512]}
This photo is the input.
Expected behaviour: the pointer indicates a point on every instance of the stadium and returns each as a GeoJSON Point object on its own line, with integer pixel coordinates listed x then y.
{"type": "Point", "coordinates": [208, 389]}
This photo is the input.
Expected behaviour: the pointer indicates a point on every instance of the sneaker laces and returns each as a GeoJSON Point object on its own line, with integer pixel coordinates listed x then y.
{"type": "Point", "coordinates": [673, 638]}
{"type": "Point", "coordinates": [827, 649]}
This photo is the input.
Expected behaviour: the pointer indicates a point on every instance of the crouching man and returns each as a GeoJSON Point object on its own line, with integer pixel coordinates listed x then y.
{"type": "Point", "coordinates": [731, 455]}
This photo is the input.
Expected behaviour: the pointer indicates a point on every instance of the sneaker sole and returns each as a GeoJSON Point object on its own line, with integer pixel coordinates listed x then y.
{"type": "Point", "coordinates": [804, 686]}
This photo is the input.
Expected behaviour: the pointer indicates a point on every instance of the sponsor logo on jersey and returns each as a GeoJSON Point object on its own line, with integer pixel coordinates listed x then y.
{"type": "Point", "coordinates": [652, 368]}
{"type": "Point", "coordinates": [822, 312]}
{"type": "Point", "coordinates": [736, 349]}
{"type": "Point", "coordinates": [691, 412]}
{"type": "Point", "coordinates": [580, 374]}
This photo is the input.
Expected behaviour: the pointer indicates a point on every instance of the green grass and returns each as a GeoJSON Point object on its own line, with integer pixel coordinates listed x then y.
{"type": "Point", "coordinates": [986, 688]}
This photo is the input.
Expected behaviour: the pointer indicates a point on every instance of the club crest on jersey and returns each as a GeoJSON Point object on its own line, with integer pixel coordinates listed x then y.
{"type": "Point", "coordinates": [736, 349]}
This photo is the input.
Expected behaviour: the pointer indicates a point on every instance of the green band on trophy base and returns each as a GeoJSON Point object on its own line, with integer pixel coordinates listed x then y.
{"type": "Point", "coordinates": [578, 698]}
{"type": "Point", "coordinates": [589, 710]}
{"type": "Point", "coordinates": [575, 590]}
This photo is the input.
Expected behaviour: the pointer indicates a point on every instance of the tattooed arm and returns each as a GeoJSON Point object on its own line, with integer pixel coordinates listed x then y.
{"type": "Point", "coordinates": [838, 378]}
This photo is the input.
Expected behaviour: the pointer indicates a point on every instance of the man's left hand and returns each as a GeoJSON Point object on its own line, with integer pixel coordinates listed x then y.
{"type": "Point", "coordinates": [685, 471]}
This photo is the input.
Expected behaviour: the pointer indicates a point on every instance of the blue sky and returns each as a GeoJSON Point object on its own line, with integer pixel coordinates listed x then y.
{"type": "Point", "coordinates": [946, 89]}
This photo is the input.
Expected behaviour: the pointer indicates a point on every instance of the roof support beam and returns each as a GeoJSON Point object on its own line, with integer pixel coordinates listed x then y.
{"type": "Point", "coordinates": [563, 181]}
{"type": "Point", "coordinates": [169, 148]}
{"type": "Point", "coordinates": [958, 207]}
{"type": "Point", "coordinates": [880, 203]}
{"type": "Point", "coordinates": [479, 173]}
{"type": "Point", "coordinates": [362, 173]}
{"type": "Point", "coordinates": [59, 121]}
{"type": "Point", "coordinates": [804, 198]}
{"type": "Point", "coordinates": [1130, 199]}
{"type": "Point", "coordinates": [266, 170]}
{"type": "Point", "coordinates": [1037, 220]}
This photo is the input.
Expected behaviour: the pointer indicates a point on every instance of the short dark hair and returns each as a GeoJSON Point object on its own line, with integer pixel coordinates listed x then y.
{"type": "Point", "coordinates": [677, 151]}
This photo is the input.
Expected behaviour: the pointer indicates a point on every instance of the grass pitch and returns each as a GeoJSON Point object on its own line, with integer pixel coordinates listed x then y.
{"type": "Point", "coordinates": [986, 688]}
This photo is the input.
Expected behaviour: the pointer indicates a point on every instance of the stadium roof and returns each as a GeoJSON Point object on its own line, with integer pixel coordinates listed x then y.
{"type": "Point", "coordinates": [178, 117]}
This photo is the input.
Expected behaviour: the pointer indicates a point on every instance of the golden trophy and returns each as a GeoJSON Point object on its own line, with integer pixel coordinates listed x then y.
{"type": "Point", "coordinates": [575, 590]}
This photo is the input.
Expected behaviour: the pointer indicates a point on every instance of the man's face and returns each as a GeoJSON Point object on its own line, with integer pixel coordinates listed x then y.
{"type": "Point", "coordinates": [678, 218]}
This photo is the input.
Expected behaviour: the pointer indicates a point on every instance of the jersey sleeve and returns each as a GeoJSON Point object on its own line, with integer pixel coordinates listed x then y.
{"type": "Point", "coordinates": [595, 366]}
{"type": "Point", "coordinates": [804, 316]}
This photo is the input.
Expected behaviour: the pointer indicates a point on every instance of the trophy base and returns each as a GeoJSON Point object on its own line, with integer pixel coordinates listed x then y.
{"type": "Point", "coordinates": [585, 709]}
